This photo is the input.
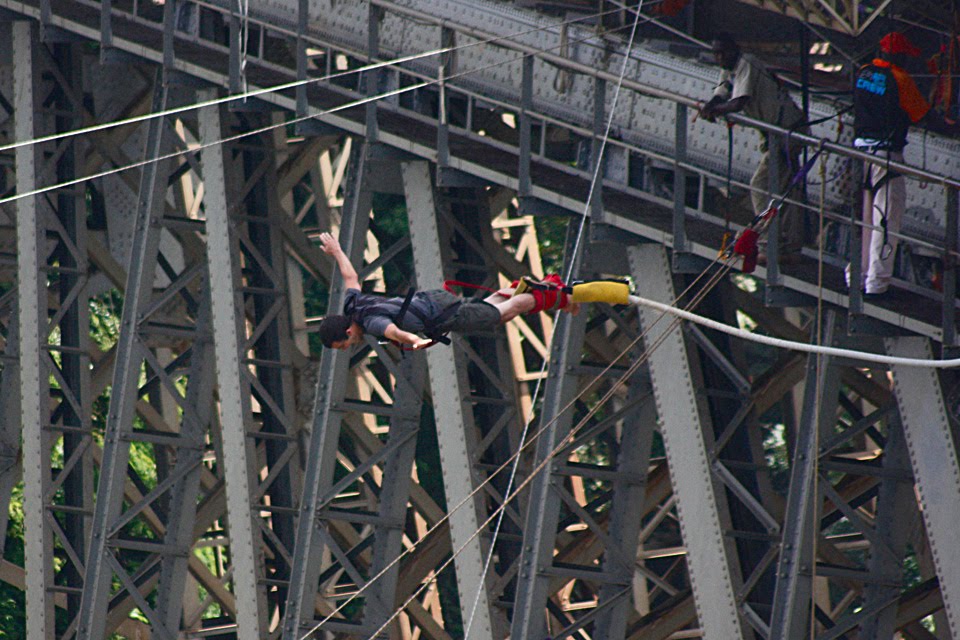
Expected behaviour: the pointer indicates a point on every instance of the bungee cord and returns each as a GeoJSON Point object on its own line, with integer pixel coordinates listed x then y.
{"type": "Point", "coordinates": [852, 354]}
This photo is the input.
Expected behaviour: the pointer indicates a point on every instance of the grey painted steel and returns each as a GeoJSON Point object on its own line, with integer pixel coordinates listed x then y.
{"type": "Point", "coordinates": [449, 388]}
{"type": "Point", "coordinates": [795, 570]}
{"type": "Point", "coordinates": [68, 333]}
{"type": "Point", "coordinates": [951, 229]}
{"type": "Point", "coordinates": [34, 388]}
{"type": "Point", "coordinates": [543, 513]}
{"type": "Point", "coordinates": [11, 468]}
{"type": "Point", "coordinates": [895, 522]}
{"type": "Point", "coordinates": [933, 455]}
{"type": "Point", "coordinates": [395, 487]}
{"type": "Point", "coordinates": [629, 491]}
{"type": "Point", "coordinates": [239, 461]}
{"type": "Point", "coordinates": [131, 353]}
{"type": "Point", "coordinates": [682, 428]}
{"type": "Point", "coordinates": [647, 122]}
{"type": "Point", "coordinates": [680, 180]}
{"type": "Point", "coordinates": [328, 414]}
{"type": "Point", "coordinates": [181, 521]}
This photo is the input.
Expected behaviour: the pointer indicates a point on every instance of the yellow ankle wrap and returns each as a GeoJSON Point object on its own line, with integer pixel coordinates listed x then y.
{"type": "Point", "coordinates": [601, 291]}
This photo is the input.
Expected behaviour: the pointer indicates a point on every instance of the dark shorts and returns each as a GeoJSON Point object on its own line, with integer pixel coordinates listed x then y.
{"type": "Point", "coordinates": [473, 314]}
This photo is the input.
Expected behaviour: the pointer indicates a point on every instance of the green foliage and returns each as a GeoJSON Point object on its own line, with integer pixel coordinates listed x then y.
{"type": "Point", "coordinates": [389, 225]}
{"type": "Point", "coordinates": [551, 236]}
{"type": "Point", "coordinates": [105, 312]}
{"type": "Point", "coordinates": [13, 604]}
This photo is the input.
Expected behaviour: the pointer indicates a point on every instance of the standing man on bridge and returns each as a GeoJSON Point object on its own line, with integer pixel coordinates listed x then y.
{"type": "Point", "coordinates": [748, 87]}
{"type": "Point", "coordinates": [886, 102]}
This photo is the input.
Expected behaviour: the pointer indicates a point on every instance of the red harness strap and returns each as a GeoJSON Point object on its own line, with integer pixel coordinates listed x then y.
{"type": "Point", "coordinates": [549, 293]}
{"type": "Point", "coordinates": [450, 284]}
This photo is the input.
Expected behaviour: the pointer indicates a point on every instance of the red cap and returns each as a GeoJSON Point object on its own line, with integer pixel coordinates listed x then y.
{"type": "Point", "coordinates": [896, 42]}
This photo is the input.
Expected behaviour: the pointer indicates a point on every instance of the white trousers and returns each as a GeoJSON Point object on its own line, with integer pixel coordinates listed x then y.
{"type": "Point", "coordinates": [884, 199]}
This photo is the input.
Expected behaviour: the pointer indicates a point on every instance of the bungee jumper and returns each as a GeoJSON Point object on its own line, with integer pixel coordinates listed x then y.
{"type": "Point", "coordinates": [424, 318]}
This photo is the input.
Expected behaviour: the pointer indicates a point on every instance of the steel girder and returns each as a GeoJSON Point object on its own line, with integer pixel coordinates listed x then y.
{"type": "Point", "coordinates": [457, 426]}
{"type": "Point", "coordinates": [791, 604]}
{"type": "Point", "coordinates": [55, 391]}
{"type": "Point", "coordinates": [684, 421]}
{"type": "Point", "coordinates": [161, 376]}
{"type": "Point", "coordinates": [931, 441]}
{"type": "Point", "coordinates": [260, 437]}
{"type": "Point", "coordinates": [317, 523]}
{"type": "Point", "coordinates": [853, 17]}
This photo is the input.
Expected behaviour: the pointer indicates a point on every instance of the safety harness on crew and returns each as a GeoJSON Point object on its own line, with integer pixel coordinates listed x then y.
{"type": "Point", "coordinates": [746, 244]}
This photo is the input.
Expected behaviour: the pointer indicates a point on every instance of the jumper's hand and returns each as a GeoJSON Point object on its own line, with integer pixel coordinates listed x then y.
{"type": "Point", "coordinates": [329, 244]}
{"type": "Point", "coordinates": [421, 343]}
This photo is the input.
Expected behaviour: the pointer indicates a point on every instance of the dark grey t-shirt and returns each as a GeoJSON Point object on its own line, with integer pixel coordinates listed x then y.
{"type": "Point", "coordinates": [375, 313]}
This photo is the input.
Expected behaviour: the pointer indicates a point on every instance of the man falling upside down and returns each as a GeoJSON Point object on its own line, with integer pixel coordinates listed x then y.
{"type": "Point", "coordinates": [419, 320]}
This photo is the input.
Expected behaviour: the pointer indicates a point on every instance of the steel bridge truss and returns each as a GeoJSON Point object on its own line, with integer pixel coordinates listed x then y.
{"type": "Point", "coordinates": [202, 468]}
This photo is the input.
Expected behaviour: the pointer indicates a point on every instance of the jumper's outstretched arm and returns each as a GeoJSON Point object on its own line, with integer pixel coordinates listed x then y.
{"type": "Point", "coordinates": [331, 247]}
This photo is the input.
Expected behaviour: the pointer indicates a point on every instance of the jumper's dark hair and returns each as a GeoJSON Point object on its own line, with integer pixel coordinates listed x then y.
{"type": "Point", "coordinates": [333, 329]}
{"type": "Point", "coordinates": [725, 40]}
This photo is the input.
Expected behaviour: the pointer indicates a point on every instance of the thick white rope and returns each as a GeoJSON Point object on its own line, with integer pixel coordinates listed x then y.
{"type": "Point", "coordinates": [795, 346]}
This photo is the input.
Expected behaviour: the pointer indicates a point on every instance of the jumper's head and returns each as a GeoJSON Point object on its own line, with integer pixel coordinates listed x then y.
{"type": "Point", "coordinates": [339, 332]}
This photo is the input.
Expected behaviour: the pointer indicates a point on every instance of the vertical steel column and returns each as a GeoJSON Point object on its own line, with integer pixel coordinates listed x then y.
{"type": "Point", "coordinates": [950, 273]}
{"type": "Point", "coordinates": [303, 16]}
{"type": "Point", "coordinates": [596, 147]}
{"type": "Point", "coordinates": [104, 560]}
{"type": "Point", "coordinates": [774, 145]}
{"type": "Point", "coordinates": [67, 269]}
{"type": "Point", "coordinates": [239, 460]}
{"type": "Point", "coordinates": [526, 104]}
{"type": "Point", "coordinates": [266, 351]}
{"type": "Point", "coordinates": [680, 243]}
{"type": "Point", "coordinates": [795, 571]}
{"type": "Point", "coordinates": [106, 28]}
{"type": "Point", "coordinates": [34, 387]}
{"type": "Point", "coordinates": [933, 455]}
{"type": "Point", "coordinates": [11, 468]}
{"type": "Point", "coordinates": [543, 514]}
{"type": "Point", "coordinates": [187, 468]}
{"type": "Point", "coordinates": [682, 427]}
{"type": "Point", "coordinates": [448, 388]}
{"type": "Point", "coordinates": [372, 78]}
{"type": "Point", "coordinates": [447, 59]}
{"type": "Point", "coordinates": [234, 74]}
{"type": "Point", "coordinates": [169, 26]}
{"type": "Point", "coordinates": [328, 414]}
{"type": "Point", "coordinates": [629, 492]}
{"type": "Point", "coordinates": [894, 525]}
{"type": "Point", "coordinates": [395, 487]}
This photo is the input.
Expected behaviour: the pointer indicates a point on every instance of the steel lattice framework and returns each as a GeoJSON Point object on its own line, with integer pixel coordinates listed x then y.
{"type": "Point", "coordinates": [190, 464]}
